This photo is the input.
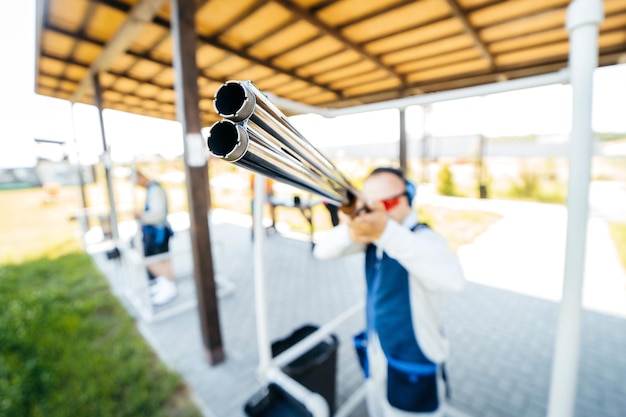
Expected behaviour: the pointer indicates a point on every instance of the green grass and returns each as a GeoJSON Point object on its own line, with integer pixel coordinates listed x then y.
{"type": "Point", "coordinates": [67, 347]}
{"type": "Point", "coordinates": [618, 234]}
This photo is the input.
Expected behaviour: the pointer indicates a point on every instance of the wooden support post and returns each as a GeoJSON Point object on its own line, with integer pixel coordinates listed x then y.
{"type": "Point", "coordinates": [196, 169]}
{"type": "Point", "coordinates": [106, 158]}
{"type": "Point", "coordinates": [403, 135]}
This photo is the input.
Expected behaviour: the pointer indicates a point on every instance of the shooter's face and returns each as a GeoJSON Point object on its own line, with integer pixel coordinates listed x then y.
{"type": "Point", "coordinates": [390, 190]}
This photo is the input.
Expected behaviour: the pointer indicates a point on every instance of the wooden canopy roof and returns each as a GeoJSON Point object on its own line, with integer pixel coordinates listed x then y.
{"type": "Point", "coordinates": [319, 52]}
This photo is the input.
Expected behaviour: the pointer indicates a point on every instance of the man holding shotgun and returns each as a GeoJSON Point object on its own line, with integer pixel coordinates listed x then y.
{"type": "Point", "coordinates": [409, 269]}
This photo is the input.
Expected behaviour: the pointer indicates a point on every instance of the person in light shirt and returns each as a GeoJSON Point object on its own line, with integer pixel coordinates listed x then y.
{"type": "Point", "coordinates": [156, 233]}
{"type": "Point", "coordinates": [409, 270]}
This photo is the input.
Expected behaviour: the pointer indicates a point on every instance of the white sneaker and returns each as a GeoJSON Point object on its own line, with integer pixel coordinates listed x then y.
{"type": "Point", "coordinates": [165, 292]}
{"type": "Point", "coordinates": [154, 285]}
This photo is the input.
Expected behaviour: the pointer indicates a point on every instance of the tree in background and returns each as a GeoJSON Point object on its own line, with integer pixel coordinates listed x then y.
{"type": "Point", "coordinates": [445, 181]}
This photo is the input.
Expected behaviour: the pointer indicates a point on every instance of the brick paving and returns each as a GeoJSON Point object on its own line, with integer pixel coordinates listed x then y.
{"type": "Point", "coordinates": [502, 341]}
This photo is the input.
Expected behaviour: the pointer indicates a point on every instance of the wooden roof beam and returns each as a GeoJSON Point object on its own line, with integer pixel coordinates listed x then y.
{"type": "Point", "coordinates": [145, 56]}
{"type": "Point", "coordinates": [213, 42]}
{"type": "Point", "coordinates": [369, 15]}
{"type": "Point", "coordinates": [319, 6]}
{"type": "Point", "coordinates": [469, 30]}
{"type": "Point", "coordinates": [101, 44]}
{"type": "Point", "coordinates": [468, 80]}
{"type": "Point", "coordinates": [236, 20]}
{"type": "Point", "coordinates": [400, 31]}
{"type": "Point", "coordinates": [208, 41]}
{"type": "Point", "coordinates": [88, 14]}
{"type": "Point", "coordinates": [297, 46]}
{"type": "Point", "coordinates": [269, 34]}
{"type": "Point", "coordinates": [263, 63]}
{"type": "Point", "coordinates": [117, 74]}
{"type": "Point", "coordinates": [141, 15]}
{"type": "Point", "coordinates": [512, 19]}
{"type": "Point", "coordinates": [304, 14]}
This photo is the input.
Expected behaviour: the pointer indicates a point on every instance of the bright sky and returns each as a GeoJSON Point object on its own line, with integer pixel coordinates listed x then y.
{"type": "Point", "coordinates": [24, 115]}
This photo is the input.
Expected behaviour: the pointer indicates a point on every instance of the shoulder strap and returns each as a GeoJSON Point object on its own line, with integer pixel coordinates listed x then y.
{"type": "Point", "coordinates": [412, 368]}
{"type": "Point", "coordinates": [420, 226]}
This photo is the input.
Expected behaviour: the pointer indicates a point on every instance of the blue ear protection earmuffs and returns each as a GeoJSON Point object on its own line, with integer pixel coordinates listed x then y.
{"type": "Point", "coordinates": [411, 189]}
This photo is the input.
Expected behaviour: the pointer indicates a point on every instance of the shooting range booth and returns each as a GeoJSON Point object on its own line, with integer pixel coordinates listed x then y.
{"type": "Point", "coordinates": [166, 59]}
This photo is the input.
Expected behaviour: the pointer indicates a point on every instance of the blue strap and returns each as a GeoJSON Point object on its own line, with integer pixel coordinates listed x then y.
{"type": "Point", "coordinates": [420, 226]}
{"type": "Point", "coordinates": [160, 235]}
{"type": "Point", "coordinates": [412, 368]}
{"type": "Point", "coordinates": [360, 344]}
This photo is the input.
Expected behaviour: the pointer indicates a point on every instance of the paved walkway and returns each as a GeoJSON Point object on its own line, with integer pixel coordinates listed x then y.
{"type": "Point", "coordinates": [501, 327]}
{"type": "Point", "coordinates": [524, 252]}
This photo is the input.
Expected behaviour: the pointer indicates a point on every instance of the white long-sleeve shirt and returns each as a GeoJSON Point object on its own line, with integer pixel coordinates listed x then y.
{"type": "Point", "coordinates": [433, 269]}
{"type": "Point", "coordinates": [155, 213]}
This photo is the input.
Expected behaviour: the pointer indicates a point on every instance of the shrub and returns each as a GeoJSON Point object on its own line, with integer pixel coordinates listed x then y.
{"type": "Point", "coordinates": [531, 185]}
{"type": "Point", "coordinates": [445, 181]}
{"type": "Point", "coordinates": [527, 185]}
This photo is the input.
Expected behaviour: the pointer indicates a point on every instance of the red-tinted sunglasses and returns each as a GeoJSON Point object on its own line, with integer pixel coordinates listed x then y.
{"type": "Point", "coordinates": [391, 202]}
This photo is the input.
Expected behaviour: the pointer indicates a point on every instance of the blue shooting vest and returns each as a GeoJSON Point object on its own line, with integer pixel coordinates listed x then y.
{"type": "Point", "coordinates": [411, 376]}
{"type": "Point", "coordinates": [156, 234]}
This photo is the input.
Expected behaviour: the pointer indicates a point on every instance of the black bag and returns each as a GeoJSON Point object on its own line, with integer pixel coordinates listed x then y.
{"type": "Point", "coordinates": [412, 386]}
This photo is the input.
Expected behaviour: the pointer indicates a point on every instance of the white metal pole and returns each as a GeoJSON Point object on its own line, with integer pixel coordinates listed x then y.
{"type": "Point", "coordinates": [260, 293]}
{"type": "Point", "coordinates": [84, 216]}
{"type": "Point", "coordinates": [312, 401]}
{"type": "Point", "coordinates": [303, 346]}
{"type": "Point", "coordinates": [583, 18]}
{"type": "Point", "coordinates": [352, 402]}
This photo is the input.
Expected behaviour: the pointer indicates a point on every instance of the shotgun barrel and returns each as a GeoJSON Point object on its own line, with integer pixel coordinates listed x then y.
{"type": "Point", "coordinates": [256, 135]}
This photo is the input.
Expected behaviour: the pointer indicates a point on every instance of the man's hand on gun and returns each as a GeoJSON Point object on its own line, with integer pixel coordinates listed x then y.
{"type": "Point", "coordinates": [365, 223]}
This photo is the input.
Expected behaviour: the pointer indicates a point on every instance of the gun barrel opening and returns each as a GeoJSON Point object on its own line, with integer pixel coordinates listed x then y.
{"type": "Point", "coordinates": [233, 102]}
{"type": "Point", "coordinates": [227, 140]}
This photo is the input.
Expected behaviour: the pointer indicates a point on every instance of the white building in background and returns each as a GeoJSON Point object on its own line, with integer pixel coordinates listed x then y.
{"type": "Point", "coordinates": [467, 146]}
